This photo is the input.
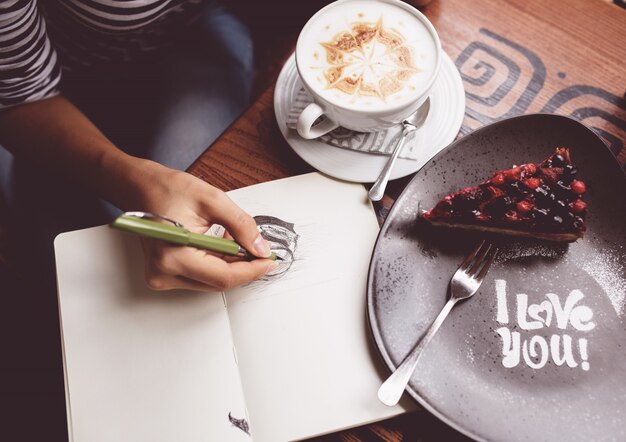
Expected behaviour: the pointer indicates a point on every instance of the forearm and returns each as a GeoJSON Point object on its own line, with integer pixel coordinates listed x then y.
{"type": "Point", "coordinates": [55, 134]}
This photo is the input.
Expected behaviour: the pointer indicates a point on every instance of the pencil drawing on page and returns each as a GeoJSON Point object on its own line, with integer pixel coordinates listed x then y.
{"type": "Point", "coordinates": [283, 241]}
{"type": "Point", "coordinates": [242, 424]}
{"type": "Point", "coordinates": [282, 237]}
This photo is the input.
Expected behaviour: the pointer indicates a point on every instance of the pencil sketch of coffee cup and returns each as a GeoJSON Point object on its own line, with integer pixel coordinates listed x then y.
{"type": "Point", "coordinates": [283, 241]}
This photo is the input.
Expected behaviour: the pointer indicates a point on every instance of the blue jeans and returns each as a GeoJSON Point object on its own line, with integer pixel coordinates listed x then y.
{"type": "Point", "coordinates": [168, 110]}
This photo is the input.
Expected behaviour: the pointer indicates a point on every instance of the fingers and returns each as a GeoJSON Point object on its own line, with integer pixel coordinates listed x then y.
{"type": "Point", "coordinates": [168, 282]}
{"type": "Point", "coordinates": [239, 224]}
{"type": "Point", "coordinates": [172, 267]}
{"type": "Point", "coordinates": [224, 276]}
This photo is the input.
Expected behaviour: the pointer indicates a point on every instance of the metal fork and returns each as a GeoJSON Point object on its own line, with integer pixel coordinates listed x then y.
{"type": "Point", "coordinates": [464, 283]}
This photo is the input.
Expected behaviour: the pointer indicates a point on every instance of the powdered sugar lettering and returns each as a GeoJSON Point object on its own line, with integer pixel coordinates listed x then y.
{"type": "Point", "coordinates": [536, 350]}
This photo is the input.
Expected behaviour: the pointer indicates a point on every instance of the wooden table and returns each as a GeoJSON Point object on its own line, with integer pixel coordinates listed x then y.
{"type": "Point", "coordinates": [515, 57]}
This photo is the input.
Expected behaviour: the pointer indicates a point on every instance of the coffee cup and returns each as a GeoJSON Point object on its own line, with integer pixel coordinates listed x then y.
{"type": "Point", "coordinates": [368, 64]}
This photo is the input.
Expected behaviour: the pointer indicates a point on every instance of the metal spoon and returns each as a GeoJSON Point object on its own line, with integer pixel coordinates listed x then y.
{"type": "Point", "coordinates": [411, 124]}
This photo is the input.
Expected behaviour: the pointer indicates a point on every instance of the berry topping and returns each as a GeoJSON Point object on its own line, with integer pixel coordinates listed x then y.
{"type": "Point", "coordinates": [535, 200]}
{"type": "Point", "coordinates": [563, 151]}
{"type": "Point", "coordinates": [530, 169]}
{"type": "Point", "coordinates": [445, 204]}
{"type": "Point", "coordinates": [512, 174]}
{"type": "Point", "coordinates": [495, 192]}
{"type": "Point", "coordinates": [498, 180]}
{"type": "Point", "coordinates": [579, 206]}
{"type": "Point", "coordinates": [563, 186]}
{"type": "Point", "coordinates": [511, 215]}
{"type": "Point", "coordinates": [558, 160]}
{"type": "Point", "coordinates": [532, 183]}
{"type": "Point", "coordinates": [578, 187]}
{"type": "Point", "coordinates": [570, 170]}
{"type": "Point", "coordinates": [542, 190]}
{"type": "Point", "coordinates": [524, 206]}
{"type": "Point", "coordinates": [480, 216]}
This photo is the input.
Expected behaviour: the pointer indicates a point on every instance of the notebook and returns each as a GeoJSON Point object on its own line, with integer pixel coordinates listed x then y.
{"type": "Point", "coordinates": [284, 358]}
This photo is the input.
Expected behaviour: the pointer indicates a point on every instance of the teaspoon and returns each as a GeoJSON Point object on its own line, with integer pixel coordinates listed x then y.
{"type": "Point", "coordinates": [410, 125]}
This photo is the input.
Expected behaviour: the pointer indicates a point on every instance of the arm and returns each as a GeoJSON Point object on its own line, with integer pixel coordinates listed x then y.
{"type": "Point", "coordinates": [39, 125]}
{"type": "Point", "coordinates": [56, 134]}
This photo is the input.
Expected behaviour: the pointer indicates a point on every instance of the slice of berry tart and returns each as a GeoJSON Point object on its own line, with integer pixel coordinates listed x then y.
{"type": "Point", "coordinates": [532, 200]}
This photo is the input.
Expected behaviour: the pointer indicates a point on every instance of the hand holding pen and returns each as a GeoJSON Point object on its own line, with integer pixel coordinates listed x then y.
{"type": "Point", "coordinates": [150, 225]}
{"type": "Point", "coordinates": [197, 205]}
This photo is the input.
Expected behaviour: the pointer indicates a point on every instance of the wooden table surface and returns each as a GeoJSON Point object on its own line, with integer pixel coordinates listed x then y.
{"type": "Point", "coordinates": [515, 57]}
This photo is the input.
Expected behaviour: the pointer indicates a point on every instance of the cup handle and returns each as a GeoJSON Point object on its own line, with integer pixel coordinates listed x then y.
{"type": "Point", "coordinates": [306, 119]}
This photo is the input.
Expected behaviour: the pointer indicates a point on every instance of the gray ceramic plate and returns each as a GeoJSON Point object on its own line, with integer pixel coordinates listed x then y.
{"type": "Point", "coordinates": [547, 362]}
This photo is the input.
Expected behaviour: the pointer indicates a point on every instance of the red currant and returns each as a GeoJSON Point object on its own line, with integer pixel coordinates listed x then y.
{"type": "Point", "coordinates": [513, 174]}
{"type": "Point", "coordinates": [530, 169]}
{"type": "Point", "coordinates": [578, 187]}
{"type": "Point", "coordinates": [579, 206]}
{"type": "Point", "coordinates": [495, 192]}
{"type": "Point", "coordinates": [498, 180]}
{"type": "Point", "coordinates": [532, 183]}
{"type": "Point", "coordinates": [524, 206]}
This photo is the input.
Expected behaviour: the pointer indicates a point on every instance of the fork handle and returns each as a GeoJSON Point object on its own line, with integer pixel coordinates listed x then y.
{"type": "Point", "coordinates": [391, 390]}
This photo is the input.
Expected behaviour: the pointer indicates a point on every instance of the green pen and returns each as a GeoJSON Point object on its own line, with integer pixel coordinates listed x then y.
{"type": "Point", "coordinates": [142, 224]}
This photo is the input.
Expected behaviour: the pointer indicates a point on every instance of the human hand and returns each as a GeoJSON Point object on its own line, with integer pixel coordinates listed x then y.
{"type": "Point", "coordinates": [197, 205]}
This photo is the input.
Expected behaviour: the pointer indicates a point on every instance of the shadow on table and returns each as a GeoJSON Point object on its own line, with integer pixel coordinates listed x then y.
{"type": "Point", "coordinates": [417, 426]}
{"type": "Point", "coordinates": [32, 398]}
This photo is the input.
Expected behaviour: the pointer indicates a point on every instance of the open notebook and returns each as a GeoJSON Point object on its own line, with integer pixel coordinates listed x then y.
{"type": "Point", "coordinates": [282, 359]}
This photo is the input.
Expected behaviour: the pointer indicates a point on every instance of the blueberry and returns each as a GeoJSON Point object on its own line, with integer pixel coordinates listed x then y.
{"type": "Point", "coordinates": [557, 220]}
{"type": "Point", "coordinates": [515, 188]}
{"type": "Point", "coordinates": [570, 170]}
{"type": "Point", "coordinates": [558, 160]}
{"type": "Point", "coordinates": [542, 190]}
{"type": "Point", "coordinates": [498, 206]}
{"type": "Point", "coordinates": [467, 203]}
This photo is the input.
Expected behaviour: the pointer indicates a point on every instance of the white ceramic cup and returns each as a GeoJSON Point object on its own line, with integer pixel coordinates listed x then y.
{"type": "Point", "coordinates": [337, 109]}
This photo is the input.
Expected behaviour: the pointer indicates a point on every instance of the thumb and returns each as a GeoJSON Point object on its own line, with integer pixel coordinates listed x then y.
{"type": "Point", "coordinates": [238, 223]}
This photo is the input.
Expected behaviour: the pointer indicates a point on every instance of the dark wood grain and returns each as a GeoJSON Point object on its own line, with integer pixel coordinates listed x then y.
{"type": "Point", "coordinates": [252, 150]}
{"type": "Point", "coordinates": [516, 57]}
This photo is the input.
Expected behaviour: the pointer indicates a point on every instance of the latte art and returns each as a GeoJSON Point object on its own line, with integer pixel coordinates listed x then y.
{"type": "Point", "coordinates": [368, 60]}
{"type": "Point", "coordinates": [368, 54]}
{"type": "Point", "coordinates": [368, 64]}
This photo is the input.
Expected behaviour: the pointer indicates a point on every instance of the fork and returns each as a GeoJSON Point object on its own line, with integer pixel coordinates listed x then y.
{"type": "Point", "coordinates": [464, 283]}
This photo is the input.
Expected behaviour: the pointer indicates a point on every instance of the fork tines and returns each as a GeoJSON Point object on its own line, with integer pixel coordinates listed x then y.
{"type": "Point", "coordinates": [479, 260]}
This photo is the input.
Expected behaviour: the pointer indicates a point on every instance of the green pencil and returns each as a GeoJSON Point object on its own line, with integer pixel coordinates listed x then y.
{"type": "Point", "coordinates": [182, 236]}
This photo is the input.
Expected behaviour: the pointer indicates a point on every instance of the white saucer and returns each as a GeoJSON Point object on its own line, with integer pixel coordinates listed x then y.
{"type": "Point", "coordinates": [447, 108]}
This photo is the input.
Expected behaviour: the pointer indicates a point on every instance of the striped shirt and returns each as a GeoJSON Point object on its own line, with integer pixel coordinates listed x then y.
{"type": "Point", "coordinates": [41, 38]}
